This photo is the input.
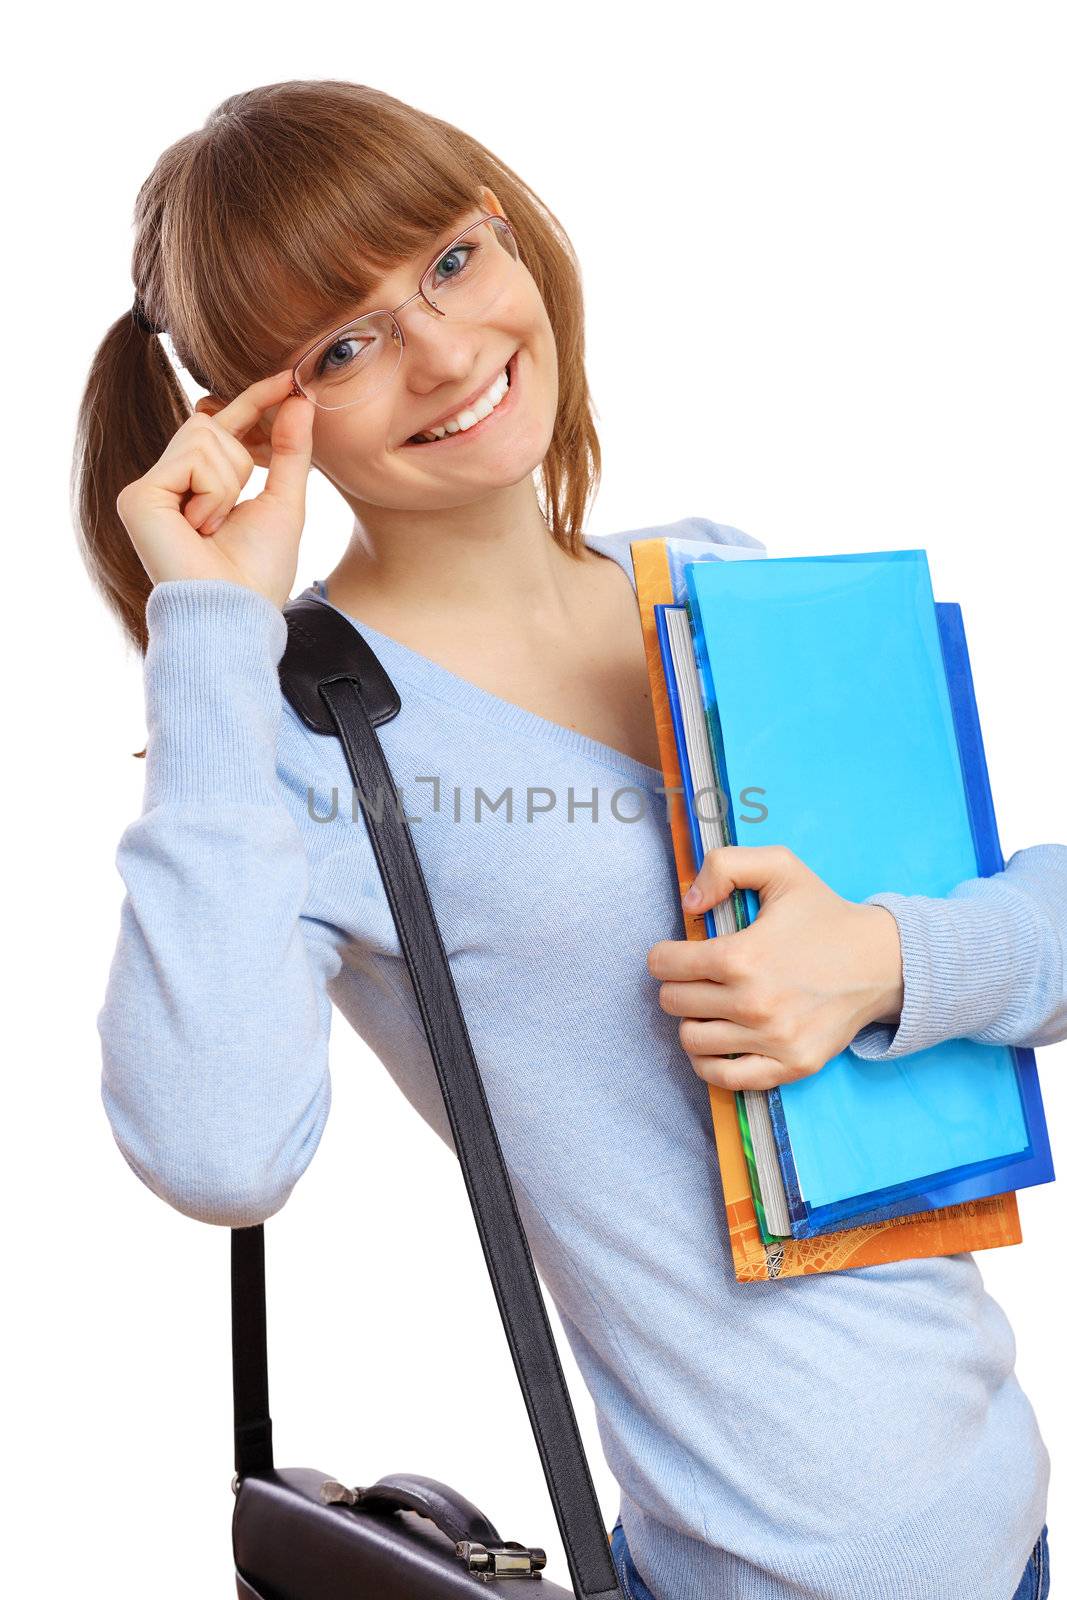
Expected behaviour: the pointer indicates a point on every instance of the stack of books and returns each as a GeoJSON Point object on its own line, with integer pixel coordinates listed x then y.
{"type": "Point", "coordinates": [826, 703]}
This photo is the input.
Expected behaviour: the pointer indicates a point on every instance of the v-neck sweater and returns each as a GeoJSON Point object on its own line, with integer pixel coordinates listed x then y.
{"type": "Point", "coordinates": [852, 1433]}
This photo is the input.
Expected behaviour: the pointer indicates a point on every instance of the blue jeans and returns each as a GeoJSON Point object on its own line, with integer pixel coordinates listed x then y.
{"type": "Point", "coordinates": [1034, 1585]}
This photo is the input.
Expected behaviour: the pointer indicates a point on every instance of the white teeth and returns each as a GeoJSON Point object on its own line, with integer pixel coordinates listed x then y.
{"type": "Point", "coordinates": [471, 414]}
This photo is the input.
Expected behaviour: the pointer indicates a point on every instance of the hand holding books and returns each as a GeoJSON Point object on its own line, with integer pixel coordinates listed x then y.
{"type": "Point", "coordinates": [789, 993]}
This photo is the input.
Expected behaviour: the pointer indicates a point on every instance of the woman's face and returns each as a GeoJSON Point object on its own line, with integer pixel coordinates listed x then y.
{"type": "Point", "coordinates": [365, 451]}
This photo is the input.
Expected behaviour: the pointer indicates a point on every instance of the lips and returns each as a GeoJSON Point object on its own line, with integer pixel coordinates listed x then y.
{"type": "Point", "coordinates": [462, 433]}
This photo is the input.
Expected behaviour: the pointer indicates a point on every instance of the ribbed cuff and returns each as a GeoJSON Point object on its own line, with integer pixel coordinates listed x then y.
{"type": "Point", "coordinates": [212, 694]}
{"type": "Point", "coordinates": [965, 960]}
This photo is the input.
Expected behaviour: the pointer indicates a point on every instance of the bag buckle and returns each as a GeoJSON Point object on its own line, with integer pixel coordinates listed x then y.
{"type": "Point", "coordinates": [333, 1493]}
{"type": "Point", "coordinates": [507, 1560]}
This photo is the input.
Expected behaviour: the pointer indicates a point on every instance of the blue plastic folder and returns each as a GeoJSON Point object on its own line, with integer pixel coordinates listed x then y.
{"type": "Point", "coordinates": [842, 700]}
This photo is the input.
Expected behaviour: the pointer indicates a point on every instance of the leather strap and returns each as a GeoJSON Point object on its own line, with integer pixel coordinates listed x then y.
{"type": "Point", "coordinates": [253, 1447]}
{"type": "Point", "coordinates": [337, 685]}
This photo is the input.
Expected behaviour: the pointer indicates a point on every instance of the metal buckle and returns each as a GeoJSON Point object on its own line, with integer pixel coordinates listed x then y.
{"type": "Point", "coordinates": [507, 1560]}
{"type": "Point", "coordinates": [333, 1493]}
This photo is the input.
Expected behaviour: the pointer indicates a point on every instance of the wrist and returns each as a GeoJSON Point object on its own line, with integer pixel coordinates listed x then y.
{"type": "Point", "coordinates": [886, 967]}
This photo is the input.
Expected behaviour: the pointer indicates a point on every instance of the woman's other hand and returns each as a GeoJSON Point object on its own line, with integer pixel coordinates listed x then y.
{"type": "Point", "coordinates": [791, 991]}
{"type": "Point", "coordinates": [183, 516]}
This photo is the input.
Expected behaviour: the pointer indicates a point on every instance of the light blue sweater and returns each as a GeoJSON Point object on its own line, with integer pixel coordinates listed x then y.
{"type": "Point", "coordinates": [858, 1434]}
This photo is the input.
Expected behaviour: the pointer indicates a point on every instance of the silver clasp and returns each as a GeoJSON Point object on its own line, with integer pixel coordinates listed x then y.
{"type": "Point", "coordinates": [508, 1560]}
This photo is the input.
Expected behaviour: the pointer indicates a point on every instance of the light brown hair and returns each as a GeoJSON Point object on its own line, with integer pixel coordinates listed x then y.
{"type": "Point", "coordinates": [250, 234]}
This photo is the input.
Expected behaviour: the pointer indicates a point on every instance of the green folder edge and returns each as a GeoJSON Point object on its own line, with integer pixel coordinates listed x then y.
{"type": "Point", "coordinates": [740, 921]}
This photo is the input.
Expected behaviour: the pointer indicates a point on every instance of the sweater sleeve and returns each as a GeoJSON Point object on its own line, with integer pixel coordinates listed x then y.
{"type": "Point", "coordinates": [216, 1019]}
{"type": "Point", "coordinates": [988, 962]}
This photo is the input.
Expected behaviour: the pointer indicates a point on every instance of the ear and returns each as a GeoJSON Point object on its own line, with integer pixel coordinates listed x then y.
{"type": "Point", "coordinates": [255, 439]}
{"type": "Point", "coordinates": [490, 201]}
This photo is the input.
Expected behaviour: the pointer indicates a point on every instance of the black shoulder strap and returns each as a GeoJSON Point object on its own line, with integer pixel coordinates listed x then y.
{"type": "Point", "coordinates": [337, 685]}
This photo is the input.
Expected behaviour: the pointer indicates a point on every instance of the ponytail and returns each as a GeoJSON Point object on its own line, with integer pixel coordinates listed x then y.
{"type": "Point", "coordinates": [132, 406]}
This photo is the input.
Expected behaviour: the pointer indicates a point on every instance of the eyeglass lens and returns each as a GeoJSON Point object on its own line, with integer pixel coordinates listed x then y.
{"type": "Point", "coordinates": [463, 283]}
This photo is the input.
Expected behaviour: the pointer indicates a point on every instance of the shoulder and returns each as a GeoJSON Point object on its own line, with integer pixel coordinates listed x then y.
{"type": "Point", "coordinates": [701, 530]}
{"type": "Point", "coordinates": [714, 533]}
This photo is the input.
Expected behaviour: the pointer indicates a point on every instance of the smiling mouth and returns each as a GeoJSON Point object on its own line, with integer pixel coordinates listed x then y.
{"type": "Point", "coordinates": [476, 427]}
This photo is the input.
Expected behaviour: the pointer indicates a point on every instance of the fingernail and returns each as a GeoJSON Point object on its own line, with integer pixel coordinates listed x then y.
{"type": "Point", "coordinates": [691, 897]}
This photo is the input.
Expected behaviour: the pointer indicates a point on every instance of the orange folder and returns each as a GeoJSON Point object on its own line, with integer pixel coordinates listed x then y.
{"type": "Point", "coordinates": [976, 1225]}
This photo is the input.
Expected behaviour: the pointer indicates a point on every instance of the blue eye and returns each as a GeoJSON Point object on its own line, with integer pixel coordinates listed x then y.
{"type": "Point", "coordinates": [343, 354]}
{"type": "Point", "coordinates": [326, 363]}
{"type": "Point", "coordinates": [450, 255]}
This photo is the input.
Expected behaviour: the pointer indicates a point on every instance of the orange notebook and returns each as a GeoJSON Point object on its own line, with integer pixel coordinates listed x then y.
{"type": "Point", "coordinates": [977, 1225]}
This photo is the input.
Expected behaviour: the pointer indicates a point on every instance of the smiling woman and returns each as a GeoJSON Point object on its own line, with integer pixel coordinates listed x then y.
{"type": "Point", "coordinates": [364, 196]}
{"type": "Point", "coordinates": [885, 1448]}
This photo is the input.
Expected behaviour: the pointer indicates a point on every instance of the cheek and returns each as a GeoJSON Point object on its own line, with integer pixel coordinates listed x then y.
{"type": "Point", "coordinates": [522, 316]}
{"type": "Point", "coordinates": [346, 443]}
{"type": "Point", "coordinates": [361, 466]}
{"type": "Point", "coordinates": [544, 394]}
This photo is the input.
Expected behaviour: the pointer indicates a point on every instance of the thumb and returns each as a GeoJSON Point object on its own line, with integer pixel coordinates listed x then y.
{"type": "Point", "coordinates": [290, 452]}
{"type": "Point", "coordinates": [738, 866]}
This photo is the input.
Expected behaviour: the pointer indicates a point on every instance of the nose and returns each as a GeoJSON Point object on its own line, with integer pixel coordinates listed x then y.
{"type": "Point", "coordinates": [437, 349]}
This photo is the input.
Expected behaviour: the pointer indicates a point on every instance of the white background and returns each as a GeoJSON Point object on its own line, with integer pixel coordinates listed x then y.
{"type": "Point", "coordinates": [823, 253]}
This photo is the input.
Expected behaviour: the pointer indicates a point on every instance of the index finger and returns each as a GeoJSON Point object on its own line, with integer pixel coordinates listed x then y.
{"type": "Point", "coordinates": [251, 403]}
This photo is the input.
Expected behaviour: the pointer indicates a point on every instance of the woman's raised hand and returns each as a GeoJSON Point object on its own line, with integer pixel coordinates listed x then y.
{"type": "Point", "coordinates": [183, 516]}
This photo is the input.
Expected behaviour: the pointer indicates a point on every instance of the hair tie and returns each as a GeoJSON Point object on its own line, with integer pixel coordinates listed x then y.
{"type": "Point", "coordinates": [140, 316]}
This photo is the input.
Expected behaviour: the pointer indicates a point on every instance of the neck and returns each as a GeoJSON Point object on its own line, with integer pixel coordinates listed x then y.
{"type": "Point", "coordinates": [491, 557]}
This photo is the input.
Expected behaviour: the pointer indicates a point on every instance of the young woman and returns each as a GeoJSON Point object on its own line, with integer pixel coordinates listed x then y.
{"type": "Point", "coordinates": [856, 1434]}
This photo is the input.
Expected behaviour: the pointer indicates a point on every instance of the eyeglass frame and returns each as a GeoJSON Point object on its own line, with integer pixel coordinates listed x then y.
{"type": "Point", "coordinates": [324, 342]}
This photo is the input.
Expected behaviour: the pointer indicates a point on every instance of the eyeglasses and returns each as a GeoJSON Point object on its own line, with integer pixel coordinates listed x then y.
{"type": "Point", "coordinates": [356, 361]}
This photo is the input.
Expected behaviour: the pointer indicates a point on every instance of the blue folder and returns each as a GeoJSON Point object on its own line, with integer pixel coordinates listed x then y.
{"type": "Point", "coordinates": [841, 694]}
